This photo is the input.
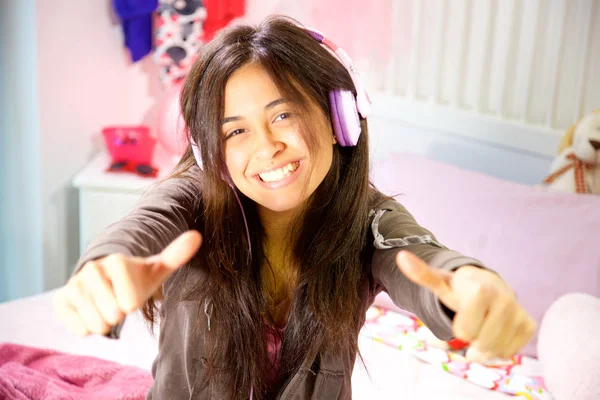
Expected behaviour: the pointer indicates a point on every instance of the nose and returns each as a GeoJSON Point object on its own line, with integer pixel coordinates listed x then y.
{"type": "Point", "coordinates": [595, 144]}
{"type": "Point", "coordinates": [267, 144]}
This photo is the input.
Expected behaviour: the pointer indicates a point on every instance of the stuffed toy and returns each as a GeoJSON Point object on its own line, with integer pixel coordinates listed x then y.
{"type": "Point", "coordinates": [577, 167]}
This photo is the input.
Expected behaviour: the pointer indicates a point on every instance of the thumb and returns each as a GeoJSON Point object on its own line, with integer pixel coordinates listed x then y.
{"type": "Point", "coordinates": [419, 272]}
{"type": "Point", "coordinates": [176, 254]}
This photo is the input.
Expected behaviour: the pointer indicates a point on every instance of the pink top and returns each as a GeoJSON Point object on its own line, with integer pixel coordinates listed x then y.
{"type": "Point", "coordinates": [274, 335]}
{"type": "Point", "coordinates": [273, 348]}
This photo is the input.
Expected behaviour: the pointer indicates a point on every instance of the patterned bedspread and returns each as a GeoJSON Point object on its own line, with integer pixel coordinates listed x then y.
{"type": "Point", "coordinates": [520, 376]}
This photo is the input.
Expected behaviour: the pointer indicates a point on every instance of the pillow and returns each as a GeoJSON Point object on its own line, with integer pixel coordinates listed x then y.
{"type": "Point", "coordinates": [568, 347]}
{"type": "Point", "coordinates": [544, 244]}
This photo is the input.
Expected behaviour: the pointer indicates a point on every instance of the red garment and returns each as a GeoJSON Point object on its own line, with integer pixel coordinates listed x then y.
{"type": "Point", "coordinates": [219, 13]}
{"type": "Point", "coordinates": [274, 348]}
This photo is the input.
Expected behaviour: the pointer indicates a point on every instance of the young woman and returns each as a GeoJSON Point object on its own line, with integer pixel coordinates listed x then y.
{"type": "Point", "coordinates": [296, 243]}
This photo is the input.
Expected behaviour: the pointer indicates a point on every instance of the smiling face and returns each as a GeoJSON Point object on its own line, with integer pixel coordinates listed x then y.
{"type": "Point", "coordinates": [265, 150]}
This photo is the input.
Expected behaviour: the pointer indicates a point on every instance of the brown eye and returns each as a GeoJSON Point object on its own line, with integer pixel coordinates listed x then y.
{"type": "Point", "coordinates": [282, 116]}
{"type": "Point", "coordinates": [234, 133]}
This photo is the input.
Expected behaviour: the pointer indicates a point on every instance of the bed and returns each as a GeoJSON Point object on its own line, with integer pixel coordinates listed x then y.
{"type": "Point", "coordinates": [426, 165]}
{"type": "Point", "coordinates": [485, 211]}
{"type": "Point", "coordinates": [423, 152]}
{"type": "Point", "coordinates": [489, 215]}
{"type": "Point", "coordinates": [394, 374]}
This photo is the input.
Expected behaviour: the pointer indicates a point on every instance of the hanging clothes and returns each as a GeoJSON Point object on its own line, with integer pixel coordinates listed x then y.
{"type": "Point", "coordinates": [183, 26]}
{"type": "Point", "coordinates": [220, 14]}
{"type": "Point", "coordinates": [179, 36]}
{"type": "Point", "coordinates": [136, 21]}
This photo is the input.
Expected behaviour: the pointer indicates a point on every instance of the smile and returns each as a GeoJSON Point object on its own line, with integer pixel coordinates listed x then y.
{"type": "Point", "coordinates": [280, 177]}
{"type": "Point", "coordinates": [279, 174]}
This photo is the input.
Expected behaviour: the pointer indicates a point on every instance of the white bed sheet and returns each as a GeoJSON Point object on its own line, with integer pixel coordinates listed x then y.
{"type": "Point", "coordinates": [393, 374]}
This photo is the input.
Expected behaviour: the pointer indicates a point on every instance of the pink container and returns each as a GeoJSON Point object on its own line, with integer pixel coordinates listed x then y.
{"type": "Point", "coordinates": [132, 144]}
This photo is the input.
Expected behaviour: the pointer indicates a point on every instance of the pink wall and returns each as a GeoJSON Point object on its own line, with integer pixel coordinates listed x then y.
{"type": "Point", "coordinates": [363, 30]}
{"type": "Point", "coordinates": [85, 82]}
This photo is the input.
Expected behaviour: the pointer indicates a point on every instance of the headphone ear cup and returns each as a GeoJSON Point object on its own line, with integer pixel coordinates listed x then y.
{"type": "Point", "coordinates": [196, 152]}
{"type": "Point", "coordinates": [344, 117]}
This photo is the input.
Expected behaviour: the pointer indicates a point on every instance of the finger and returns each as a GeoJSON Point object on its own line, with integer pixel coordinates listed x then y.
{"type": "Point", "coordinates": [74, 323]}
{"type": "Point", "coordinates": [180, 251]}
{"type": "Point", "coordinates": [475, 355]}
{"type": "Point", "coordinates": [102, 294]}
{"type": "Point", "coordinates": [525, 331]}
{"type": "Point", "coordinates": [134, 280]}
{"type": "Point", "coordinates": [68, 316]}
{"type": "Point", "coordinates": [129, 291]}
{"type": "Point", "coordinates": [82, 302]}
{"type": "Point", "coordinates": [422, 274]}
{"type": "Point", "coordinates": [469, 320]}
{"type": "Point", "coordinates": [511, 338]}
{"type": "Point", "coordinates": [497, 322]}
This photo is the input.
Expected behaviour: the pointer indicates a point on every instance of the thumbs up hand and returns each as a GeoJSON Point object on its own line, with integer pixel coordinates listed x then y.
{"type": "Point", "coordinates": [105, 290]}
{"type": "Point", "coordinates": [488, 315]}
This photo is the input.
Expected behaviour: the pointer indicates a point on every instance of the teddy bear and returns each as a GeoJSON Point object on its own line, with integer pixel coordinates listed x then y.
{"type": "Point", "coordinates": [577, 167]}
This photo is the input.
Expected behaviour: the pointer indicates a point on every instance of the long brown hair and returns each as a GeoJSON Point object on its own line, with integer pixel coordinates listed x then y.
{"type": "Point", "coordinates": [329, 246]}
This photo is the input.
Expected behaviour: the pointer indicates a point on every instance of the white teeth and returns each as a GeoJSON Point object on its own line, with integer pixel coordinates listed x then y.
{"type": "Point", "coordinates": [279, 174]}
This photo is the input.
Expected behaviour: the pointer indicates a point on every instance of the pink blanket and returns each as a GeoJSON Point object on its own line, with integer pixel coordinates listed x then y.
{"type": "Point", "coordinates": [32, 373]}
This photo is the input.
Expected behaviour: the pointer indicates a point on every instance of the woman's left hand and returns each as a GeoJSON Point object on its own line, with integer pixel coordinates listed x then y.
{"type": "Point", "coordinates": [488, 315]}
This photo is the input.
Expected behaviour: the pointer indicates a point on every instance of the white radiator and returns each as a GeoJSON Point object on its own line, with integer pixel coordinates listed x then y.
{"type": "Point", "coordinates": [514, 66]}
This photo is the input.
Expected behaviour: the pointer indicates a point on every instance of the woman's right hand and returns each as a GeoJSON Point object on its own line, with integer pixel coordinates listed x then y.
{"type": "Point", "coordinates": [105, 290]}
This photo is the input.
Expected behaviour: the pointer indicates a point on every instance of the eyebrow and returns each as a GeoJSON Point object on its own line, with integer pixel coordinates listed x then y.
{"type": "Point", "coordinates": [272, 104]}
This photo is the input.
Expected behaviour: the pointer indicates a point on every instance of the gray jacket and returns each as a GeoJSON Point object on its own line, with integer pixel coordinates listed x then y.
{"type": "Point", "coordinates": [167, 210]}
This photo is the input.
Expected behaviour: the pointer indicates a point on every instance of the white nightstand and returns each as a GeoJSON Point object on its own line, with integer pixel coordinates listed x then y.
{"type": "Point", "coordinates": [106, 197]}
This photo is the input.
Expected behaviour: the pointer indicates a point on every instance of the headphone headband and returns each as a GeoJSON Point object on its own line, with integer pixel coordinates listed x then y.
{"type": "Point", "coordinates": [363, 102]}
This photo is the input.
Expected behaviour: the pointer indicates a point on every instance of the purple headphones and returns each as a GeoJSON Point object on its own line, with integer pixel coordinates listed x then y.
{"type": "Point", "coordinates": [344, 107]}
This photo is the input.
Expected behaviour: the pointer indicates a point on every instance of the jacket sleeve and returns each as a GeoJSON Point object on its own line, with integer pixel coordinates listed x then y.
{"type": "Point", "coordinates": [165, 211]}
{"type": "Point", "coordinates": [394, 229]}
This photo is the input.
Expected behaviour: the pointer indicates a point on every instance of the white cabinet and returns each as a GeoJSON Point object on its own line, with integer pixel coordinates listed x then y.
{"type": "Point", "coordinates": [106, 197]}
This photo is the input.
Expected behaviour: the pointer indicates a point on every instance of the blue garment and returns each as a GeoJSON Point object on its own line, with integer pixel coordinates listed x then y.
{"type": "Point", "coordinates": [136, 20]}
